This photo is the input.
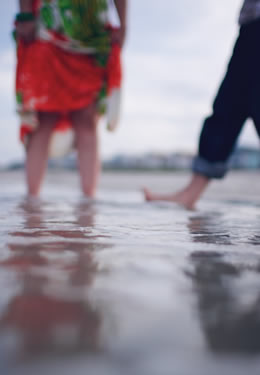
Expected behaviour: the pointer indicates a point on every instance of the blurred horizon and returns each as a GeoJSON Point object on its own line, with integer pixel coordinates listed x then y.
{"type": "Point", "coordinates": [174, 59]}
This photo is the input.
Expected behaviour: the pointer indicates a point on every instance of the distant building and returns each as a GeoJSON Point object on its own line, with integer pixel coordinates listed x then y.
{"type": "Point", "coordinates": [242, 158]}
{"type": "Point", "coordinates": [150, 161]}
{"type": "Point", "coordinates": [67, 162]}
{"type": "Point", "coordinates": [245, 158]}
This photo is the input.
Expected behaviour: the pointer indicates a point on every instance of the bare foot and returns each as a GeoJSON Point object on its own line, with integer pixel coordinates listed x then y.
{"type": "Point", "coordinates": [182, 198]}
{"type": "Point", "coordinates": [186, 197]}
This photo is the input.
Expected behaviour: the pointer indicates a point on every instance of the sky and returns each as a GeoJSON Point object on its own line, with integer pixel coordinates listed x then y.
{"type": "Point", "coordinates": [174, 59]}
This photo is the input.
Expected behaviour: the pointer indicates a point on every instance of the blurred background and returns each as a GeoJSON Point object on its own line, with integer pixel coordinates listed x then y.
{"type": "Point", "coordinates": [174, 59]}
{"type": "Point", "coordinates": [115, 285]}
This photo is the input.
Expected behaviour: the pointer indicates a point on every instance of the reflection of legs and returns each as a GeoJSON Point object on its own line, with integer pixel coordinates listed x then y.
{"type": "Point", "coordinates": [220, 131]}
{"type": "Point", "coordinates": [37, 152]}
{"type": "Point", "coordinates": [85, 125]}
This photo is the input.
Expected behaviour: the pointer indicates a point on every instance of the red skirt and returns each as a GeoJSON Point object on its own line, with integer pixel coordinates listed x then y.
{"type": "Point", "coordinates": [50, 79]}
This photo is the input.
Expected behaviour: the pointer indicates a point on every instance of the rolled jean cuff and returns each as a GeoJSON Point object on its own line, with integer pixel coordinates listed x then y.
{"type": "Point", "coordinates": [209, 169]}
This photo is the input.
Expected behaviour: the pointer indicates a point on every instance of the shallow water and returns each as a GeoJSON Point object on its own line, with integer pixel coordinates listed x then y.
{"type": "Point", "coordinates": [119, 286]}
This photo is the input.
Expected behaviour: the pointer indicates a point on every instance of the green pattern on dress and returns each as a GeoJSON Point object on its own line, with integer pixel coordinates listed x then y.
{"type": "Point", "coordinates": [81, 20]}
{"type": "Point", "coordinates": [47, 15]}
{"type": "Point", "coordinates": [19, 97]}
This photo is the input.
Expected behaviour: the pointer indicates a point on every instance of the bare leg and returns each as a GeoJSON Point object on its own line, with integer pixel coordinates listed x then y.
{"type": "Point", "coordinates": [187, 197]}
{"type": "Point", "coordinates": [85, 125]}
{"type": "Point", "coordinates": [37, 152]}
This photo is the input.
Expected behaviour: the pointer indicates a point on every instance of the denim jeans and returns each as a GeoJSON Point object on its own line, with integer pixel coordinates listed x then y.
{"type": "Point", "coordinates": [237, 100]}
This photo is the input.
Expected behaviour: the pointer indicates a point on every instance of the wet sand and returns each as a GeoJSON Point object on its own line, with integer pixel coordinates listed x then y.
{"type": "Point", "coordinates": [119, 286]}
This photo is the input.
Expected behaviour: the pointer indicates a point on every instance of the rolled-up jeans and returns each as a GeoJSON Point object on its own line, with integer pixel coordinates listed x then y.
{"type": "Point", "coordinates": [237, 100]}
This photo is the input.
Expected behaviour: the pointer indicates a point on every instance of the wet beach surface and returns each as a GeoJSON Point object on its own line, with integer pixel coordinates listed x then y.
{"type": "Point", "coordinates": [119, 286]}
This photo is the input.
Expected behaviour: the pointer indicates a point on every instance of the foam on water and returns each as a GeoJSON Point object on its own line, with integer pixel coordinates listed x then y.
{"type": "Point", "coordinates": [119, 286]}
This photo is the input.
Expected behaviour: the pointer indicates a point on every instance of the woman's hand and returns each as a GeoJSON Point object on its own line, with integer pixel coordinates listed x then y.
{"type": "Point", "coordinates": [118, 36]}
{"type": "Point", "coordinates": [26, 31]}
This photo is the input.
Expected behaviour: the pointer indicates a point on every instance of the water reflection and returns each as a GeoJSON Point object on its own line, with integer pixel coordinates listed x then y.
{"type": "Point", "coordinates": [130, 307]}
{"type": "Point", "coordinates": [227, 292]}
{"type": "Point", "coordinates": [209, 228]}
{"type": "Point", "coordinates": [55, 267]}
